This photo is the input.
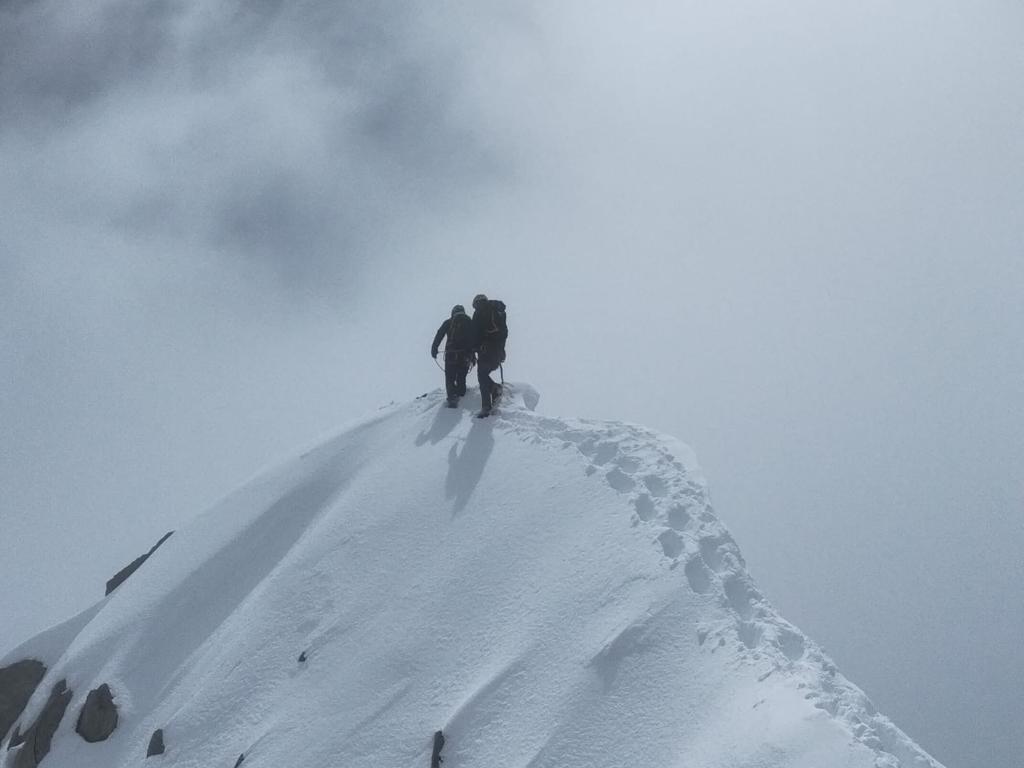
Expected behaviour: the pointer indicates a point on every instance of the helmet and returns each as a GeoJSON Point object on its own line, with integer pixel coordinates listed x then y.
{"type": "Point", "coordinates": [458, 309]}
{"type": "Point", "coordinates": [478, 300]}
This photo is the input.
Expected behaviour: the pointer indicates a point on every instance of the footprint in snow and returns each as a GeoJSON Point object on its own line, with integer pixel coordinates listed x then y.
{"type": "Point", "coordinates": [750, 633]}
{"type": "Point", "coordinates": [657, 486]}
{"type": "Point", "coordinates": [678, 517]}
{"type": "Point", "coordinates": [741, 597]}
{"type": "Point", "coordinates": [698, 575]}
{"type": "Point", "coordinates": [620, 481]}
{"type": "Point", "coordinates": [628, 464]}
{"type": "Point", "coordinates": [671, 543]}
{"type": "Point", "coordinates": [644, 507]}
{"type": "Point", "coordinates": [791, 644]}
{"type": "Point", "coordinates": [713, 549]}
{"type": "Point", "coordinates": [605, 452]}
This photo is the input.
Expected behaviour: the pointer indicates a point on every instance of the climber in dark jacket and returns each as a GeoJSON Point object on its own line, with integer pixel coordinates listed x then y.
{"type": "Point", "coordinates": [490, 332]}
{"type": "Point", "coordinates": [458, 352]}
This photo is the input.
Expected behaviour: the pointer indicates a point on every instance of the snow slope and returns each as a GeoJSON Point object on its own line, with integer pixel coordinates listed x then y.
{"type": "Point", "coordinates": [550, 593]}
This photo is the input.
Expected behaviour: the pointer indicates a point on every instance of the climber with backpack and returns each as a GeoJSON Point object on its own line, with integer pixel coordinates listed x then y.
{"type": "Point", "coordinates": [490, 331]}
{"type": "Point", "coordinates": [458, 352]}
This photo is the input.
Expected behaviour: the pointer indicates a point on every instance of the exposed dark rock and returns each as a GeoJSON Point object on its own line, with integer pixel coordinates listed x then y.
{"type": "Point", "coordinates": [98, 717]}
{"type": "Point", "coordinates": [156, 743]}
{"type": "Point", "coordinates": [120, 577]}
{"type": "Point", "coordinates": [302, 658]}
{"type": "Point", "coordinates": [435, 758]}
{"type": "Point", "coordinates": [17, 684]}
{"type": "Point", "coordinates": [240, 760]}
{"type": "Point", "coordinates": [39, 737]}
{"type": "Point", "coordinates": [16, 738]}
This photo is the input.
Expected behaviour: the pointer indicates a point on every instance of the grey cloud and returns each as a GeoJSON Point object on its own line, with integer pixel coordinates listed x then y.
{"type": "Point", "coordinates": [276, 219]}
{"type": "Point", "coordinates": [371, 98]}
{"type": "Point", "coordinates": [55, 58]}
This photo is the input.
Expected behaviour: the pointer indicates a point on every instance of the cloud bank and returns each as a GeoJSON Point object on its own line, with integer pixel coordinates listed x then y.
{"type": "Point", "coordinates": [788, 235]}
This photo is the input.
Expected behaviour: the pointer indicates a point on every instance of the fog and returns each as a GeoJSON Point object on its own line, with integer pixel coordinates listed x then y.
{"type": "Point", "coordinates": [789, 236]}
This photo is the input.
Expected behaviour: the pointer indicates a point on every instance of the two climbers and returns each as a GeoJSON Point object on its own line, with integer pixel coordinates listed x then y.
{"type": "Point", "coordinates": [480, 340]}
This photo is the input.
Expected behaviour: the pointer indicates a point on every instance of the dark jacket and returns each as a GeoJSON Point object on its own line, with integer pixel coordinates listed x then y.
{"type": "Point", "coordinates": [460, 337]}
{"type": "Point", "coordinates": [490, 329]}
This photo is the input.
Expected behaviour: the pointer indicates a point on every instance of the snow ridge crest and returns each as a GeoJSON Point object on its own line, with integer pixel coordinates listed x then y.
{"type": "Point", "coordinates": [548, 592]}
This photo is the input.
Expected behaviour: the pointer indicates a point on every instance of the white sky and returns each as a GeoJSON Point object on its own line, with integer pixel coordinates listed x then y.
{"type": "Point", "coordinates": [789, 236]}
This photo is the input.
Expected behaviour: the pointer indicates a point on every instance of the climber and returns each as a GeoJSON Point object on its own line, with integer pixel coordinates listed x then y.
{"type": "Point", "coordinates": [490, 332]}
{"type": "Point", "coordinates": [458, 354]}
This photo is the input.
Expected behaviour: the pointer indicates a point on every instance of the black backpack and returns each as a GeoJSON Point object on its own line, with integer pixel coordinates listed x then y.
{"type": "Point", "coordinates": [460, 334]}
{"type": "Point", "coordinates": [496, 326]}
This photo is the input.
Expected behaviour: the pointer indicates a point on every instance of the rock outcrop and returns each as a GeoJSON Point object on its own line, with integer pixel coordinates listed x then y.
{"type": "Point", "coordinates": [156, 743]}
{"type": "Point", "coordinates": [435, 758]}
{"type": "Point", "coordinates": [98, 717]}
{"type": "Point", "coordinates": [121, 576]}
{"type": "Point", "coordinates": [38, 738]}
{"type": "Point", "coordinates": [16, 739]}
{"type": "Point", "coordinates": [17, 684]}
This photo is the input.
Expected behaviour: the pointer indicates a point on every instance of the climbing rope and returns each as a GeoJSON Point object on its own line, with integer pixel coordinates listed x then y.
{"type": "Point", "coordinates": [472, 364]}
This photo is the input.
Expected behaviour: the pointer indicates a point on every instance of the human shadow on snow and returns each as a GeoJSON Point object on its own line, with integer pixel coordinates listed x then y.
{"type": "Point", "coordinates": [466, 467]}
{"type": "Point", "coordinates": [445, 420]}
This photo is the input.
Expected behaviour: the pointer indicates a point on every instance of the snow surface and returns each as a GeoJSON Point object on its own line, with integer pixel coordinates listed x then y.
{"type": "Point", "coordinates": [549, 592]}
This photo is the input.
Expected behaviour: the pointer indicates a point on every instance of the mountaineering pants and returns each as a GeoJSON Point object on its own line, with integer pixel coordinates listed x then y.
{"type": "Point", "coordinates": [456, 366]}
{"type": "Point", "coordinates": [487, 361]}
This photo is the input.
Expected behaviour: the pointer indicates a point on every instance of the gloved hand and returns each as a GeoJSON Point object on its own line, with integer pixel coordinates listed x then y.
{"type": "Point", "coordinates": [433, 353]}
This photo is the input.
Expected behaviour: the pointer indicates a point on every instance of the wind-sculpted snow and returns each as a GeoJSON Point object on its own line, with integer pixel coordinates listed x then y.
{"type": "Point", "coordinates": [549, 593]}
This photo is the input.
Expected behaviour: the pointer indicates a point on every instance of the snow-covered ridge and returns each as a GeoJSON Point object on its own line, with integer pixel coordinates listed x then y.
{"type": "Point", "coordinates": [548, 592]}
